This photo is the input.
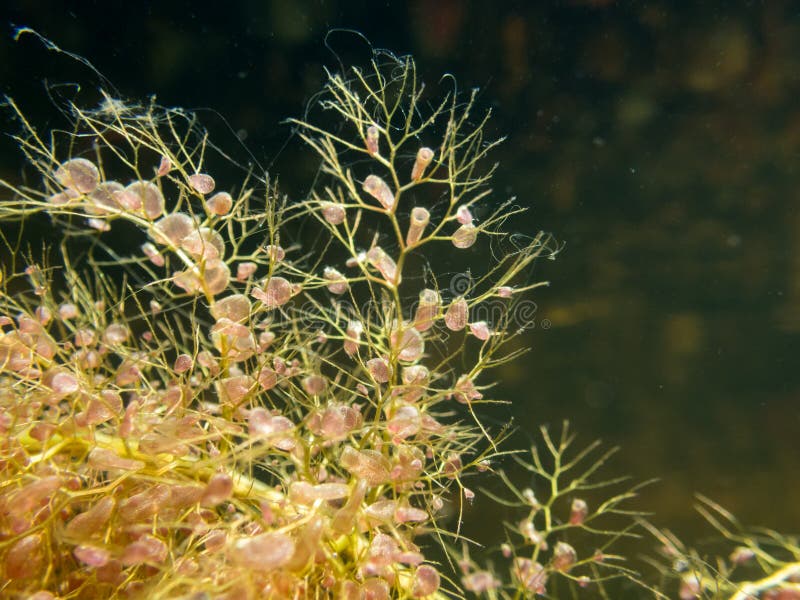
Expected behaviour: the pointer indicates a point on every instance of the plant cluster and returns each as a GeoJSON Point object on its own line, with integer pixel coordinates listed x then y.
{"type": "Point", "coordinates": [237, 415]}
{"type": "Point", "coordinates": [209, 390]}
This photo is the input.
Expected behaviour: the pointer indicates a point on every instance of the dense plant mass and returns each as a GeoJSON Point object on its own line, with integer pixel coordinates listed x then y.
{"type": "Point", "coordinates": [208, 389]}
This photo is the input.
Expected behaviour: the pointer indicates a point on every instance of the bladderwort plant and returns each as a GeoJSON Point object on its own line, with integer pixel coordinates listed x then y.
{"type": "Point", "coordinates": [236, 416]}
{"type": "Point", "coordinates": [273, 398]}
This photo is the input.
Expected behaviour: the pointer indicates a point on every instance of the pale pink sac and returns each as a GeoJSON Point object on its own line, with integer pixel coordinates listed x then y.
{"type": "Point", "coordinates": [381, 512]}
{"type": "Point", "coordinates": [463, 215]}
{"type": "Point", "coordinates": [67, 311]}
{"type": "Point", "coordinates": [564, 557]}
{"type": "Point", "coordinates": [452, 466]}
{"type": "Point", "coordinates": [25, 557]}
{"type": "Point", "coordinates": [378, 189]}
{"type": "Point", "coordinates": [233, 340]}
{"type": "Point", "coordinates": [92, 556]}
{"type": "Point", "coordinates": [128, 200]}
{"type": "Point", "coordinates": [409, 514]}
{"type": "Point", "coordinates": [234, 390]}
{"type": "Point", "coordinates": [408, 345]}
{"type": "Point", "coordinates": [469, 495]}
{"type": "Point", "coordinates": [415, 380]}
{"type": "Point", "coordinates": [182, 363]}
{"type": "Point", "coordinates": [116, 333]}
{"type": "Point", "coordinates": [267, 378]}
{"type": "Point", "coordinates": [264, 552]}
{"type": "Point", "coordinates": [383, 549]}
{"type": "Point", "coordinates": [164, 166]}
{"type": "Point", "coordinates": [151, 198]}
{"type": "Point", "coordinates": [420, 218]}
{"type": "Point", "coordinates": [204, 243]}
{"type": "Point", "coordinates": [88, 359]}
{"type": "Point", "coordinates": [218, 489]}
{"type": "Point", "coordinates": [404, 423]}
{"type": "Point", "coordinates": [215, 540]}
{"type": "Point", "coordinates": [528, 531]}
{"type": "Point", "coordinates": [92, 521]}
{"type": "Point", "coordinates": [465, 391]}
{"type": "Point", "coordinates": [147, 549]}
{"type": "Point", "coordinates": [578, 512]}
{"type": "Point", "coordinates": [216, 275]}
{"type": "Point", "coordinates": [202, 183]}
{"type": "Point", "coordinates": [103, 459]}
{"type": "Point", "coordinates": [276, 292]}
{"type": "Point", "coordinates": [416, 375]}
{"type": "Point", "coordinates": [84, 337]}
{"type": "Point", "coordinates": [480, 582]}
{"type": "Point", "coordinates": [275, 252]}
{"type": "Point", "coordinates": [105, 198]}
{"type": "Point", "coordinates": [384, 263]}
{"type": "Point", "coordinates": [423, 159]}
{"type": "Point", "coordinates": [427, 310]}
{"type": "Point", "coordinates": [337, 283]}
{"type": "Point", "coordinates": [153, 254]}
{"type": "Point", "coordinates": [371, 140]}
{"type": "Point", "coordinates": [345, 517]}
{"type": "Point", "coordinates": [465, 236]}
{"type": "Point", "coordinates": [127, 426]}
{"type": "Point", "coordinates": [98, 224]}
{"type": "Point", "coordinates": [480, 329]}
{"type": "Point", "coordinates": [408, 463]}
{"type": "Point", "coordinates": [155, 443]}
{"type": "Point", "coordinates": [314, 385]}
{"type": "Point", "coordinates": [333, 213]}
{"type": "Point", "coordinates": [380, 369]}
{"type": "Point", "coordinates": [79, 175]}
{"type": "Point", "coordinates": [335, 422]}
{"type": "Point", "coordinates": [426, 581]}
{"type": "Point", "coordinates": [245, 270]}
{"type": "Point", "coordinates": [173, 228]}
{"type": "Point", "coordinates": [188, 281]}
{"type": "Point", "coordinates": [306, 493]}
{"type": "Point", "coordinates": [457, 313]}
{"type": "Point", "coordinates": [102, 409]}
{"type": "Point", "coordinates": [369, 465]}
{"type": "Point", "coordinates": [220, 203]}
{"type": "Point", "coordinates": [61, 382]}
{"type": "Point", "coordinates": [277, 430]}
{"type": "Point", "coordinates": [505, 291]}
{"type": "Point", "coordinates": [235, 307]}
{"type": "Point", "coordinates": [353, 337]}
{"type": "Point", "coordinates": [531, 575]}
{"type": "Point", "coordinates": [142, 507]}
{"type": "Point", "coordinates": [33, 496]}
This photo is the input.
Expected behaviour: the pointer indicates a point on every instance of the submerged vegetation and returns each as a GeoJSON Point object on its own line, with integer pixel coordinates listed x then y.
{"type": "Point", "coordinates": [208, 390]}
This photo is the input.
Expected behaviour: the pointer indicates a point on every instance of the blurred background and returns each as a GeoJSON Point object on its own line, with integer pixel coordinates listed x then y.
{"type": "Point", "coordinates": [658, 141]}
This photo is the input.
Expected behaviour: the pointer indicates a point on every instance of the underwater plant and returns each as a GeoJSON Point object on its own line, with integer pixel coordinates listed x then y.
{"type": "Point", "coordinates": [212, 409]}
{"type": "Point", "coordinates": [210, 390]}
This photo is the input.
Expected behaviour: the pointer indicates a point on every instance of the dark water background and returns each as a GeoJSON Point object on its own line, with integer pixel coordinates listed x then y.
{"type": "Point", "coordinates": [659, 141]}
